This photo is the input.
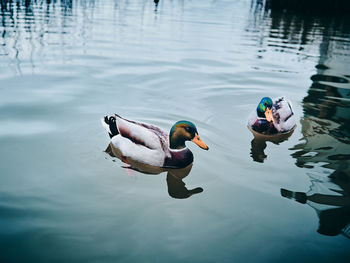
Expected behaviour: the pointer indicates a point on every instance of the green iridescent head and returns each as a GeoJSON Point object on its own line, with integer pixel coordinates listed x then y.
{"type": "Point", "coordinates": [265, 103]}
{"type": "Point", "coordinates": [183, 131]}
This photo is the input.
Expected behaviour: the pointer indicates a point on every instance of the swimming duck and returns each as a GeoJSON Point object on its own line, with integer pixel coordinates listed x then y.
{"type": "Point", "coordinates": [272, 116]}
{"type": "Point", "coordinates": [149, 144]}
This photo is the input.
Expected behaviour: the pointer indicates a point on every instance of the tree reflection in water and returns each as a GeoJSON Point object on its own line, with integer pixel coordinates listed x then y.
{"type": "Point", "coordinates": [326, 139]}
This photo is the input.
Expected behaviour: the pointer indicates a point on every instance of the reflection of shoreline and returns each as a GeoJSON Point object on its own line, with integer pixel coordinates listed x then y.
{"type": "Point", "coordinates": [326, 139]}
{"type": "Point", "coordinates": [335, 218]}
{"type": "Point", "coordinates": [310, 6]}
{"type": "Point", "coordinates": [176, 187]}
{"type": "Point", "coordinates": [29, 26]}
{"type": "Point", "coordinates": [288, 31]}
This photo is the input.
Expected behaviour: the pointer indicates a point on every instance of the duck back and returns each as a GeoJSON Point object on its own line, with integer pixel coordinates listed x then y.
{"type": "Point", "coordinates": [283, 115]}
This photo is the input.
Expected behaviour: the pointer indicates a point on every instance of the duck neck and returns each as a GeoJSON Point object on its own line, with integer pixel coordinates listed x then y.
{"type": "Point", "coordinates": [176, 142]}
{"type": "Point", "coordinates": [260, 114]}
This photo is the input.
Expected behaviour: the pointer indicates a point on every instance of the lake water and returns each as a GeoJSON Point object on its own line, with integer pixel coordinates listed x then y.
{"type": "Point", "coordinates": [65, 64]}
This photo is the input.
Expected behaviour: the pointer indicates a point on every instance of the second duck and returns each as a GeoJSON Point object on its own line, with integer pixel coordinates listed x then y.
{"type": "Point", "coordinates": [272, 116]}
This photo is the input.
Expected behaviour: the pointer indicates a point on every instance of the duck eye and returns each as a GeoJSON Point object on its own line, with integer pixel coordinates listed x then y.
{"type": "Point", "coordinates": [188, 129]}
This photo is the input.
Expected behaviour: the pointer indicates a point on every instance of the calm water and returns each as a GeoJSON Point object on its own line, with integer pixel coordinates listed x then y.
{"type": "Point", "coordinates": [64, 64]}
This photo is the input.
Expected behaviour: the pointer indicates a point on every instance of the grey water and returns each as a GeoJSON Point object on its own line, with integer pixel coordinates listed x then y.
{"type": "Point", "coordinates": [65, 64]}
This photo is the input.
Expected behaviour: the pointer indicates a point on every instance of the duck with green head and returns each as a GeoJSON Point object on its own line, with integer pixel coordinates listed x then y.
{"type": "Point", "coordinates": [264, 109]}
{"type": "Point", "coordinates": [272, 116]}
{"type": "Point", "coordinates": [150, 145]}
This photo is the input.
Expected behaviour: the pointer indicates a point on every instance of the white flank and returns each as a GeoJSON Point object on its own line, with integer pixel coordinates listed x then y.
{"type": "Point", "coordinates": [284, 111]}
{"type": "Point", "coordinates": [138, 152]}
{"type": "Point", "coordinates": [141, 133]}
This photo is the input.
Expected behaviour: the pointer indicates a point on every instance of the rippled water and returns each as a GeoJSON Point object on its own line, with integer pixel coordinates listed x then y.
{"type": "Point", "coordinates": [64, 64]}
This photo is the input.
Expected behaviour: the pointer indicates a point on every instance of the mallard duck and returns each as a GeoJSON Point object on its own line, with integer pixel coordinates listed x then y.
{"type": "Point", "coordinates": [272, 116]}
{"type": "Point", "coordinates": [148, 144]}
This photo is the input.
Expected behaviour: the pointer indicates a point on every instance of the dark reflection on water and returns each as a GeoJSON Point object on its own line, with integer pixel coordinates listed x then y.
{"type": "Point", "coordinates": [257, 150]}
{"type": "Point", "coordinates": [290, 31]}
{"type": "Point", "coordinates": [326, 139]}
{"type": "Point", "coordinates": [26, 26]}
{"type": "Point", "coordinates": [258, 144]}
{"type": "Point", "coordinates": [176, 187]}
{"type": "Point", "coordinates": [335, 219]}
{"type": "Point", "coordinates": [311, 6]}
{"type": "Point", "coordinates": [19, 15]}
{"type": "Point", "coordinates": [156, 2]}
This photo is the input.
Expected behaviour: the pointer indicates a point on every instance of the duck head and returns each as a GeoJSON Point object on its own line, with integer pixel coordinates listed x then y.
{"type": "Point", "coordinates": [183, 131]}
{"type": "Point", "coordinates": [264, 109]}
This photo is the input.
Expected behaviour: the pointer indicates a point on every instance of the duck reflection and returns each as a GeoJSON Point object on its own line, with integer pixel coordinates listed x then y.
{"type": "Point", "coordinates": [176, 187]}
{"type": "Point", "coordinates": [258, 144]}
{"type": "Point", "coordinates": [326, 139]}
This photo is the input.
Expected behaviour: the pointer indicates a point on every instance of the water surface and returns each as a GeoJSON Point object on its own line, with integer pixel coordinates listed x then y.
{"type": "Point", "coordinates": [65, 64]}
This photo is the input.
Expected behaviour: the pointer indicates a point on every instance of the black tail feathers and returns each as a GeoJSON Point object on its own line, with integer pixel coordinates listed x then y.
{"type": "Point", "coordinates": [110, 121]}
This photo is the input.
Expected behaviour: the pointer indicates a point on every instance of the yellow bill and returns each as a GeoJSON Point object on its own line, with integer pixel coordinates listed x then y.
{"type": "Point", "coordinates": [199, 142]}
{"type": "Point", "coordinates": [268, 115]}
